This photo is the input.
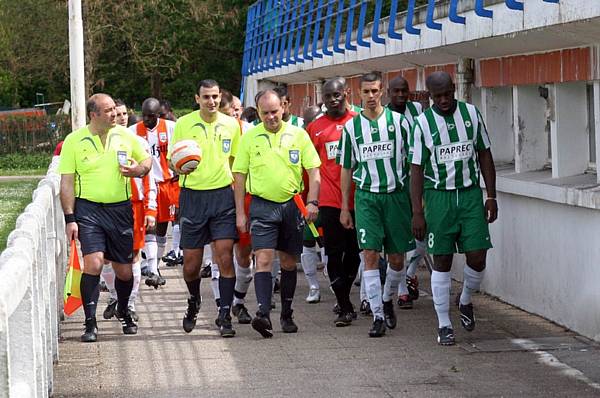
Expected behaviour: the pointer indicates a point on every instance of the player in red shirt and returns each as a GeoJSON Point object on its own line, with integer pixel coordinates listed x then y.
{"type": "Point", "coordinates": [341, 244]}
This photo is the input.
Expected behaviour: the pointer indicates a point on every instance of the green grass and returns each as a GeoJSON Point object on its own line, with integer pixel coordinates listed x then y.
{"type": "Point", "coordinates": [14, 197]}
{"type": "Point", "coordinates": [25, 172]}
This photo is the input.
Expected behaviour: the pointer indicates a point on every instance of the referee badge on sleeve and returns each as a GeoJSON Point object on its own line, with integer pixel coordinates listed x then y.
{"type": "Point", "coordinates": [294, 156]}
{"type": "Point", "coordinates": [226, 145]}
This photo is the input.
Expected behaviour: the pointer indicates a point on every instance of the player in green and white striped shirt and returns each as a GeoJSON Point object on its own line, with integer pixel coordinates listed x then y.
{"type": "Point", "coordinates": [286, 103]}
{"type": "Point", "coordinates": [398, 91]}
{"type": "Point", "coordinates": [373, 152]}
{"type": "Point", "coordinates": [449, 149]}
{"type": "Point", "coordinates": [408, 290]}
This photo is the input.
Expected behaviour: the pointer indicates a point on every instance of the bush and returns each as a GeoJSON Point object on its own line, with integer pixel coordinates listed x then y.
{"type": "Point", "coordinates": [179, 112]}
{"type": "Point", "coordinates": [25, 161]}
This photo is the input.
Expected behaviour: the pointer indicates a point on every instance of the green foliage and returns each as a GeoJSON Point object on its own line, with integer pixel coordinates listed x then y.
{"type": "Point", "coordinates": [14, 197]}
{"type": "Point", "coordinates": [13, 162]}
{"type": "Point", "coordinates": [133, 49]}
{"type": "Point", "coordinates": [179, 112]}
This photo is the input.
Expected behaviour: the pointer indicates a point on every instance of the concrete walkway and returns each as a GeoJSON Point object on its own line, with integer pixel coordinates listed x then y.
{"type": "Point", "coordinates": [511, 354]}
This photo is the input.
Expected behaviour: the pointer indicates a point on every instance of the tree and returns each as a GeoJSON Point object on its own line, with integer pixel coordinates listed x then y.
{"type": "Point", "coordinates": [33, 50]}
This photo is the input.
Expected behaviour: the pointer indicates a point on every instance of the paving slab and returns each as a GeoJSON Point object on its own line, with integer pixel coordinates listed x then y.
{"type": "Point", "coordinates": [510, 354]}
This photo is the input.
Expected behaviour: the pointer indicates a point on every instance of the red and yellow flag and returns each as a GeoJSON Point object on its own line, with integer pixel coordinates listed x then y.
{"type": "Point", "coordinates": [72, 297]}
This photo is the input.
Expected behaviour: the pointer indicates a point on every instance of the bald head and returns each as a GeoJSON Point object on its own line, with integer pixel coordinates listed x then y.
{"type": "Point", "coordinates": [398, 91]}
{"type": "Point", "coordinates": [334, 97]}
{"type": "Point", "coordinates": [336, 83]}
{"type": "Point", "coordinates": [150, 112]}
{"type": "Point", "coordinates": [270, 110]}
{"type": "Point", "coordinates": [237, 107]}
{"type": "Point", "coordinates": [151, 105]}
{"type": "Point", "coordinates": [398, 82]}
{"type": "Point", "coordinates": [310, 114]}
{"type": "Point", "coordinates": [102, 113]}
{"type": "Point", "coordinates": [92, 103]}
{"type": "Point", "coordinates": [441, 90]}
{"type": "Point", "coordinates": [439, 80]}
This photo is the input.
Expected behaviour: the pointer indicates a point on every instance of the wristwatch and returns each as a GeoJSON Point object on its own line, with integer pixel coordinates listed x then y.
{"type": "Point", "coordinates": [313, 202]}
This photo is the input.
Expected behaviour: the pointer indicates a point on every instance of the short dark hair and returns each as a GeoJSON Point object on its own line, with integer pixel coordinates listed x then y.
{"type": "Point", "coordinates": [226, 98]}
{"type": "Point", "coordinates": [207, 83]}
{"type": "Point", "coordinates": [281, 91]}
{"type": "Point", "coordinates": [120, 102]}
{"type": "Point", "coordinates": [166, 104]}
{"type": "Point", "coordinates": [261, 93]}
{"type": "Point", "coordinates": [370, 77]}
{"type": "Point", "coordinates": [250, 114]}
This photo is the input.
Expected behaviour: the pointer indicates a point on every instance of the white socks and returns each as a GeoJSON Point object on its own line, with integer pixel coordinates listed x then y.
{"type": "Point", "coordinates": [162, 244]}
{"type": "Point", "coordinates": [137, 276]}
{"type": "Point", "coordinates": [415, 258]}
{"type": "Point", "coordinates": [109, 278]}
{"type": "Point", "coordinates": [309, 259]}
{"type": "Point", "coordinates": [207, 255]}
{"type": "Point", "coordinates": [373, 288]}
{"type": "Point", "coordinates": [361, 275]}
{"type": "Point", "coordinates": [471, 283]}
{"type": "Point", "coordinates": [243, 278]}
{"type": "Point", "coordinates": [151, 252]}
{"type": "Point", "coordinates": [275, 268]}
{"type": "Point", "coordinates": [392, 280]}
{"type": "Point", "coordinates": [440, 288]}
{"type": "Point", "coordinates": [214, 281]}
{"type": "Point", "coordinates": [176, 239]}
{"type": "Point", "coordinates": [402, 288]}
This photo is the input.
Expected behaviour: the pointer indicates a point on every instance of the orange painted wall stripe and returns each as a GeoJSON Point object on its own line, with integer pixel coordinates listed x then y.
{"type": "Point", "coordinates": [551, 67]}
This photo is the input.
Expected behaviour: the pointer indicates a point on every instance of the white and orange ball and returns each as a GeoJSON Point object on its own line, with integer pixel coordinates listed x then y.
{"type": "Point", "coordinates": [186, 155]}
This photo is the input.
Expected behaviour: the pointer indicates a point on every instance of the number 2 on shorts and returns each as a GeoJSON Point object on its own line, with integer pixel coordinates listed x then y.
{"type": "Point", "coordinates": [362, 235]}
{"type": "Point", "coordinates": [430, 240]}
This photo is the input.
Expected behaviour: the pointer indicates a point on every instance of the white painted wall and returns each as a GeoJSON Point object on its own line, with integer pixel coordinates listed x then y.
{"type": "Point", "coordinates": [545, 260]}
{"type": "Point", "coordinates": [529, 120]}
{"type": "Point", "coordinates": [570, 139]}
{"type": "Point", "coordinates": [497, 111]}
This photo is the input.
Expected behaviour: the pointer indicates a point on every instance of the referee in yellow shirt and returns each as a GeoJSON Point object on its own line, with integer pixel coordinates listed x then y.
{"type": "Point", "coordinates": [270, 161]}
{"type": "Point", "coordinates": [206, 203]}
{"type": "Point", "coordinates": [96, 164]}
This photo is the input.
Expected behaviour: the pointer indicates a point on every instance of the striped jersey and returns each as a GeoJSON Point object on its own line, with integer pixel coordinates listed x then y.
{"type": "Point", "coordinates": [446, 146]}
{"type": "Point", "coordinates": [376, 150]}
{"type": "Point", "coordinates": [143, 189]}
{"type": "Point", "coordinates": [412, 110]}
{"type": "Point", "coordinates": [158, 138]}
{"type": "Point", "coordinates": [296, 121]}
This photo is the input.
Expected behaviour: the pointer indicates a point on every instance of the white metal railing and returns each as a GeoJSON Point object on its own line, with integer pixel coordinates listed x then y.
{"type": "Point", "coordinates": [31, 274]}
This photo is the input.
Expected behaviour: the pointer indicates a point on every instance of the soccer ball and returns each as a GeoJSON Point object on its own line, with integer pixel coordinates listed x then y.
{"type": "Point", "coordinates": [186, 155]}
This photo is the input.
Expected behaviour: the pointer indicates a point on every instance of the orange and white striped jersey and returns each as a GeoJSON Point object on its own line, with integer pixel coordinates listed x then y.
{"type": "Point", "coordinates": [144, 189]}
{"type": "Point", "coordinates": [158, 139]}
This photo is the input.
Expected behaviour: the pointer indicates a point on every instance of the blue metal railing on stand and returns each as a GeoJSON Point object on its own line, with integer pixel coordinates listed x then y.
{"type": "Point", "coordinates": [286, 32]}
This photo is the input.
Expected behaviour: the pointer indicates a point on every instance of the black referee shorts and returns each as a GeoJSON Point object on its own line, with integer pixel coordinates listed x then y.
{"type": "Point", "coordinates": [276, 226]}
{"type": "Point", "coordinates": [106, 228]}
{"type": "Point", "coordinates": [206, 216]}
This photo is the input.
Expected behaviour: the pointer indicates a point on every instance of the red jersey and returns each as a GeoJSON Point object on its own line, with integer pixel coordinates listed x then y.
{"type": "Point", "coordinates": [325, 133]}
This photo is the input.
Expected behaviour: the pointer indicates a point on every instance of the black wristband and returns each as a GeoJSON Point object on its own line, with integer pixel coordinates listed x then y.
{"type": "Point", "coordinates": [69, 218]}
{"type": "Point", "coordinates": [313, 202]}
